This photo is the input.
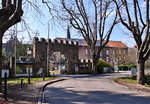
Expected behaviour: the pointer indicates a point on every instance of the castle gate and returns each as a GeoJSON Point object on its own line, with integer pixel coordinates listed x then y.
{"type": "Point", "coordinates": [68, 48]}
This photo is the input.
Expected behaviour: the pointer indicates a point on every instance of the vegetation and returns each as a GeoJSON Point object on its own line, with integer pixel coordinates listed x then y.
{"type": "Point", "coordinates": [10, 14]}
{"type": "Point", "coordinates": [139, 27]}
{"type": "Point", "coordinates": [123, 67]}
{"type": "Point", "coordinates": [21, 50]}
{"type": "Point", "coordinates": [25, 80]}
{"type": "Point", "coordinates": [90, 18]}
{"type": "Point", "coordinates": [126, 67]}
{"type": "Point", "coordinates": [101, 65]}
{"type": "Point", "coordinates": [133, 80]}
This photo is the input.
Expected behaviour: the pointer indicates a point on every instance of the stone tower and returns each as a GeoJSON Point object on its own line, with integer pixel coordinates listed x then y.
{"type": "Point", "coordinates": [68, 48]}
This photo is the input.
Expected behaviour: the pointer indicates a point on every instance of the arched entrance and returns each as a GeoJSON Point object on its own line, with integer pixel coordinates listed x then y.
{"type": "Point", "coordinates": [58, 63]}
{"type": "Point", "coordinates": [68, 48]}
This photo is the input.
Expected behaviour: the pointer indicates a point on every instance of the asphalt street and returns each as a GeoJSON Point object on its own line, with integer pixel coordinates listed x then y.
{"type": "Point", "coordinates": [91, 89]}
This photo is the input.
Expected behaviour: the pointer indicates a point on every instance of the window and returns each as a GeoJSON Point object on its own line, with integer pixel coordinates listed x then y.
{"type": "Point", "coordinates": [124, 51]}
{"type": "Point", "coordinates": [107, 52]}
{"type": "Point", "coordinates": [120, 51]}
{"type": "Point", "coordinates": [113, 51]}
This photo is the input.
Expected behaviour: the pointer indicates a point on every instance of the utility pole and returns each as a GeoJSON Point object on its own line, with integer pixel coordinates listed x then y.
{"type": "Point", "coordinates": [48, 53]}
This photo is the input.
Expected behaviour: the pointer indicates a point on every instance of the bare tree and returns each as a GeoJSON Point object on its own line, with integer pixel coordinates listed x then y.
{"type": "Point", "coordinates": [138, 24]}
{"type": "Point", "coordinates": [10, 14]}
{"type": "Point", "coordinates": [91, 18]}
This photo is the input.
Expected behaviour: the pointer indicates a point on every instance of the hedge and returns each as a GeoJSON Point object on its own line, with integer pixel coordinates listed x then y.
{"type": "Point", "coordinates": [101, 65]}
{"type": "Point", "coordinates": [126, 67]}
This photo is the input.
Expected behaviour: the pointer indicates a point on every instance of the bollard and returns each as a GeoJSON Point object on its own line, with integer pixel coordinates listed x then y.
{"type": "Point", "coordinates": [21, 83]}
{"type": "Point", "coordinates": [5, 86]}
{"type": "Point", "coordinates": [43, 77]}
{"type": "Point", "coordinates": [29, 76]}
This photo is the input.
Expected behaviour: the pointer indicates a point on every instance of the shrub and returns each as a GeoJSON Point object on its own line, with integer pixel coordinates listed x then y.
{"type": "Point", "coordinates": [123, 67]}
{"type": "Point", "coordinates": [126, 67]}
{"type": "Point", "coordinates": [101, 65]}
{"type": "Point", "coordinates": [132, 65]}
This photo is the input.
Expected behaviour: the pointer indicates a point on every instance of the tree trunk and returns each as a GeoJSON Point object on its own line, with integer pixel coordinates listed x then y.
{"type": "Point", "coordinates": [95, 57]}
{"type": "Point", "coordinates": [1, 34]}
{"type": "Point", "coordinates": [140, 71]}
{"type": "Point", "coordinates": [94, 64]}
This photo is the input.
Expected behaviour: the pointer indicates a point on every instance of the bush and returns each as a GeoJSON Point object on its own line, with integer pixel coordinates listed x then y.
{"type": "Point", "coordinates": [123, 67]}
{"type": "Point", "coordinates": [101, 65]}
{"type": "Point", "coordinates": [132, 65]}
{"type": "Point", "coordinates": [126, 67]}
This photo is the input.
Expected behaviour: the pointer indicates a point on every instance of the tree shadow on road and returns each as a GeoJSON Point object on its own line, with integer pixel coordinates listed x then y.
{"type": "Point", "coordinates": [68, 96]}
{"type": "Point", "coordinates": [28, 95]}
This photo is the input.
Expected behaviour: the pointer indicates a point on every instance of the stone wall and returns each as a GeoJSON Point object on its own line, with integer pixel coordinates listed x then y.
{"type": "Point", "coordinates": [68, 48]}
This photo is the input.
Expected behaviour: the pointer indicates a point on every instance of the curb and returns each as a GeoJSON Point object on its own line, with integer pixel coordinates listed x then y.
{"type": "Point", "coordinates": [40, 99]}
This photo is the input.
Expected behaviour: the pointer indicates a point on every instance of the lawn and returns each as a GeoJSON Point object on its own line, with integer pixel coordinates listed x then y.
{"type": "Point", "coordinates": [133, 80]}
{"type": "Point", "coordinates": [25, 79]}
{"type": "Point", "coordinates": [128, 80]}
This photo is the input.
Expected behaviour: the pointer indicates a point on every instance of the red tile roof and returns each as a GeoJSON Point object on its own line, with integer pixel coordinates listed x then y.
{"type": "Point", "coordinates": [116, 44]}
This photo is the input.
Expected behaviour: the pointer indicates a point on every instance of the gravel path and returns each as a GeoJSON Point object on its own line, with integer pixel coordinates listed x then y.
{"type": "Point", "coordinates": [89, 89]}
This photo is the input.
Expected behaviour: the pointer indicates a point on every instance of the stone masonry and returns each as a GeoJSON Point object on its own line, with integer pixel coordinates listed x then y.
{"type": "Point", "coordinates": [68, 48]}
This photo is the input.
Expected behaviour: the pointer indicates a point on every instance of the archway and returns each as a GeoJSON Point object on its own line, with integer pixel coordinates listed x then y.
{"type": "Point", "coordinates": [68, 48]}
{"type": "Point", "coordinates": [58, 63]}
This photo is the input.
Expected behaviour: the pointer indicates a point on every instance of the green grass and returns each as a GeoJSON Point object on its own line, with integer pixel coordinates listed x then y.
{"type": "Point", "coordinates": [133, 80]}
{"type": "Point", "coordinates": [25, 79]}
{"type": "Point", "coordinates": [128, 80]}
{"type": "Point", "coordinates": [147, 85]}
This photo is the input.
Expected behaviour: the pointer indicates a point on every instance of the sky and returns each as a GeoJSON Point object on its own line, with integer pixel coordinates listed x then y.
{"type": "Point", "coordinates": [38, 23]}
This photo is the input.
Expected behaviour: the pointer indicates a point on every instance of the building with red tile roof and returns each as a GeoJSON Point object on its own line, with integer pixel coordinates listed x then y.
{"type": "Point", "coordinates": [82, 42]}
{"type": "Point", "coordinates": [113, 51]}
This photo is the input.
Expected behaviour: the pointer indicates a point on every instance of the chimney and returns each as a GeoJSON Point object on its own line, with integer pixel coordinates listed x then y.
{"type": "Point", "coordinates": [68, 33]}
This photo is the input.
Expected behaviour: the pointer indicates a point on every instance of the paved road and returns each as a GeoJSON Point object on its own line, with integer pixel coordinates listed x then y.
{"type": "Point", "coordinates": [88, 89]}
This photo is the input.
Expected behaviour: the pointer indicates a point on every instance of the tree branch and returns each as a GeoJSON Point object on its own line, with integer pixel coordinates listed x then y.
{"type": "Point", "coordinates": [140, 13]}
{"type": "Point", "coordinates": [122, 21]}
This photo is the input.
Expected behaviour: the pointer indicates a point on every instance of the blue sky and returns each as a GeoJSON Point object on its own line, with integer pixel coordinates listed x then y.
{"type": "Point", "coordinates": [39, 22]}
